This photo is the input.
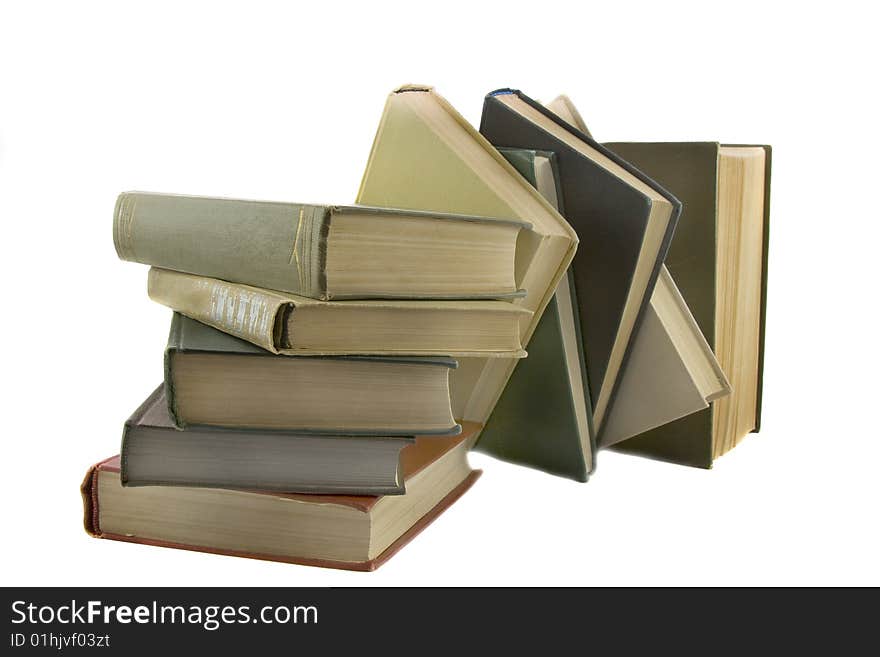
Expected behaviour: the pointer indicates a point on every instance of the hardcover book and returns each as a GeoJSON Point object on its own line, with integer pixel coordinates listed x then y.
{"type": "Point", "coordinates": [295, 325]}
{"type": "Point", "coordinates": [426, 155]}
{"type": "Point", "coordinates": [215, 379]}
{"type": "Point", "coordinates": [719, 260]}
{"type": "Point", "coordinates": [321, 251]}
{"type": "Point", "coordinates": [624, 221]}
{"type": "Point", "coordinates": [543, 419]}
{"type": "Point", "coordinates": [155, 453]}
{"type": "Point", "coordinates": [333, 531]}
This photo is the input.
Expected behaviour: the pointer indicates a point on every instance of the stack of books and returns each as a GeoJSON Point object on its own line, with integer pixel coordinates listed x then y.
{"type": "Point", "coordinates": [329, 367]}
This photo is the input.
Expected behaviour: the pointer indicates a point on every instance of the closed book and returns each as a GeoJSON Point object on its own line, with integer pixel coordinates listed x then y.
{"type": "Point", "coordinates": [426, 155]}
{"type": "Point", "coordinates": [624, 221]}
{"type": "Point", "coordinates": [332, 531]}
{"type": "Point", "coordinates": [215, 379]}
{"type": "Point", "coordinates": [719, 261]}
{"type": "Point", "coordinates": [321, 251]}
{"type": "Point", "coordinates": [293, 325]}
{"type": "Point", "coordinates": [543, 419]}
{"type": "Point", "coordinates": [155, 453]}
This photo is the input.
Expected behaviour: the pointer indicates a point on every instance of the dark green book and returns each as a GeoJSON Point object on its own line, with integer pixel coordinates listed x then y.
{"type": "Point", "coordinates": [215, 379]}
{"type": "Point", "coordinates": [543, 418]}
{"type": "Point", "coordinates": [718, 258]}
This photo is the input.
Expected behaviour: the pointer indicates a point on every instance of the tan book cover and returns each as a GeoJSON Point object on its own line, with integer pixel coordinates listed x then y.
{"type": "Point", "coordinates": [293, 325]}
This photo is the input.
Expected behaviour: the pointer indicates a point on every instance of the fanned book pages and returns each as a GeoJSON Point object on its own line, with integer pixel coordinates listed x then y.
{"type": "Point", "coordinates": [624, 221]}
{"type": "Point", "coordinates": [295, 325]}
{"type": "Point", "coordinates": [321, 251]}
{"type": "Point", "coordinates": [333, 531]}
{"type": "Point", "coordinates": [215, 379]}
{"type": "Point", "coordinates": [155, 453]}
{"type": "Point", "coordinates": [719, 261]}
{"type": "Point", "coordinates": [425, 155]}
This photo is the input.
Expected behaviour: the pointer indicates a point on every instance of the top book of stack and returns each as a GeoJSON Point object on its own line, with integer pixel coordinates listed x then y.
{"type": "Point", "coordinates": [322, 252]}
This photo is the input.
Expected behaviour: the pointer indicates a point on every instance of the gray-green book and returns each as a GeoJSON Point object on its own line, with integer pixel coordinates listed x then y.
{"type": "Point", "coordinates": [215, 379]}
{"type": "Point", "coordinates": [543, 419]}
{"type": "Point", "coordinates": [719, 260]}
{"type": "Point", "coordinates": [321, 251]}
{"type": "Point", "coordinates": [156, 453]}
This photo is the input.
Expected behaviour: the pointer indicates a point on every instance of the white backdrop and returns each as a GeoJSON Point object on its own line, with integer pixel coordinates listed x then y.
{"type": "Point", "coordinates": [281, 102]}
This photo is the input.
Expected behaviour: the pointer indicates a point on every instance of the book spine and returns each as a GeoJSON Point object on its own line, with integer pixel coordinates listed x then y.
{"type": "Point", "coordinates": [175, 343]}
{"type": "Point", "coordinates": [279, 246]}
{"type": "Point", "coordinates": [246, 312]}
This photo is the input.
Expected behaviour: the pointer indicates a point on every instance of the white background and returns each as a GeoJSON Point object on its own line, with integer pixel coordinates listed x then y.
{"type": "Point", "coordinates": [281, 102]}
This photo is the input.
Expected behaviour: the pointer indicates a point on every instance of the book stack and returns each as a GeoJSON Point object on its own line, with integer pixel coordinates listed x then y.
{"type": "Point", "coordinates": [329, 367]}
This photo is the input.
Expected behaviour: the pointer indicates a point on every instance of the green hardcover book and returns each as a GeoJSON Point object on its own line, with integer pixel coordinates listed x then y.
{"type": "Point", "coordinates": [718, 257]}
{"type": "Point", "coordinates": [215, 379]}
{"type": "Point", "coordinates": [321, 251]}
{"type": "Point", "coordinates": [543, 419]}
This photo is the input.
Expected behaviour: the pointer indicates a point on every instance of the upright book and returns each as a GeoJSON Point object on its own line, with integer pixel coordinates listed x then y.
{"type": "Point", "coordinates": [426, 155]}
{"type": "Point", "coordinates": [156, 453]}
{"type": "Point", "coordinates": [215, 379]}
{"type": "Point", "coordinates": [624, 221]}
{"type": "Point", "coordinates": [321, 251]}
{"type": "Point", "coordinates": [334, 531]}
{"type": "Point", "coordinates": [719, 260]}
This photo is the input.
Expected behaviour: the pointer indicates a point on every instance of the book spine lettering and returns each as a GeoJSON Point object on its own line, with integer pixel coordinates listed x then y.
{"type": "Point", "coordinates": [245, 312]}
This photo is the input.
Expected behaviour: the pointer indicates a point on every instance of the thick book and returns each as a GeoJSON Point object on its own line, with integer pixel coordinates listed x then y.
{"type": "Point", "coordinates": [333, 531]}
{"type": "Point", "coordinates": [294, 325]}
{"type": "Point", "coordinates": [719, 261]}
{"type": "Point", "coordinates": [624, 221]}
{"type": "Point", "coordinates": [321, 251]}
{"type": "Point", "coordinates": [543, 419]}
{"type": "Point", "coordinates": [426, 155]}
{"type": "Point", "coordinates": [155, 453]}
{"type": "Point", "coordinates": [215, 379]}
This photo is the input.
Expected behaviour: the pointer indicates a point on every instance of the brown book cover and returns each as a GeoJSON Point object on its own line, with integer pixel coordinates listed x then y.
{"type": "Point", "coordinates": [425, 452]}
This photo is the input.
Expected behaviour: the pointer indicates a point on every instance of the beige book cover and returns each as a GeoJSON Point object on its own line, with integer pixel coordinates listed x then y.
{"type": "Point", "coordinates": [427, 156]}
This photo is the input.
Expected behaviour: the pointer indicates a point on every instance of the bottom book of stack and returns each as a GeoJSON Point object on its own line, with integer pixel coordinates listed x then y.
{"type": "Point", "coordinates": [355, 532]}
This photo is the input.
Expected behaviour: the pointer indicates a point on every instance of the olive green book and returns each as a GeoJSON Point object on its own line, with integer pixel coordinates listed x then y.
{"type": "Point", "coordinates": [707, 179]}
{"type": "Point", "coordinates": [427, 156]}
{"type": "Point", "coordinates": [543, 419]}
